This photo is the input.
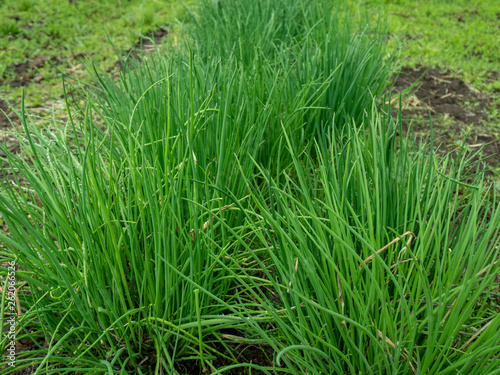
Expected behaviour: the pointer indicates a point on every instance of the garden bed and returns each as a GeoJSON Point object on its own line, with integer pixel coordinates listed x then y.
{"type": "Point", "coordinates": [239, 203]}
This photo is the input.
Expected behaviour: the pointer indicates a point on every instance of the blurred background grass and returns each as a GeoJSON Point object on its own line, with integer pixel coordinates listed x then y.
{"type": "Point", "coordinates": [45, 37]}
{"type": "Point", "coordinates": [459, 35]}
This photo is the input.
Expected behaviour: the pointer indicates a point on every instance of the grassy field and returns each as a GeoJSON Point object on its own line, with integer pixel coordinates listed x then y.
{"type": "Point", "coordinates": [40, 40]}
{"type": "Point", "coordinates": [449, 49]}
{"type": "Point", "coordinates": [458, 35]}
{"type": "Point", "coordinates": [247, 198]}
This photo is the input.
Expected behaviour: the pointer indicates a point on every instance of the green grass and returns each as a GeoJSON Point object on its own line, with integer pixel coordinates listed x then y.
{"type": "Point", "coordinates": [382, 262]}
{"type": "Point", "coordinates": [67, 32]}
{"type": "Point", "coordinates": [345, 69]}
{"type": "Point", "coordinates": [458, 35]}
{"type": "Point", "coordinates": [455, 36]}
{"type": "Point", "coordinates": [242, 193]}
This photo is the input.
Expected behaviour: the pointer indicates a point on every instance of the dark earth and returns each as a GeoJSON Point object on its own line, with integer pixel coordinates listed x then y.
{"type": "Point", "coordinates": [23, 71]}
{"type": "Point", "coordinates": [456, 109]}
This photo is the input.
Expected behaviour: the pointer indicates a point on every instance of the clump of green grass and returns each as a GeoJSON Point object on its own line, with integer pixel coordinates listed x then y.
{"type": "Point", "coordinates": [207, 192]}
{"type": "Point", "coordinates": [384, 259]}
{"type": "Point", "coordinates": [307, 42]}
{"type": "Point", "coordinates": [124, 242]}
{"type": "Point", "coordinates": [115, 248]}
{"type": "Point", "coordinates": [9, 27]}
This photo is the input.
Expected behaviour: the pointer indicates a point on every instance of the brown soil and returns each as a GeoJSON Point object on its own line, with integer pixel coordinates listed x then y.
{"type": "Point", "coordinates": [455, 108]}
{"type": "Point", "coordinates": [26, 72]}
{"type": "Point", "coordinates": [24, 346]}
{"type": "Point", "coordinates": [244, 353]}
{"type": "Point", "coordinates": [4, 112]}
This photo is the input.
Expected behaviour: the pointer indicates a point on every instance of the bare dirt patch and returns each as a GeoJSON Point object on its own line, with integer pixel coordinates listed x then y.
{"type": "Point", "coordinates": [4, 112]}
{"type": "Point", "coordinates": [458, 111]}
{"type": "Point", "coordinates": [26, 72]}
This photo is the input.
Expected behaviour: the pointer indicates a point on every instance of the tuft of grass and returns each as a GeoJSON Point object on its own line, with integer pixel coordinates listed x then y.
{"type": "Point", "coordinates": [9, 27]}
{"type": "Point", "coordinates": [384, 258]}
{"type": "Point", "coordinates": [253, 195]}
{"type": "Point", "coordinates": [307, 43]}
{"type": "Point", "coordinates": [138, 237]}
{"type": "Point", "coordinates": [113, 253]}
